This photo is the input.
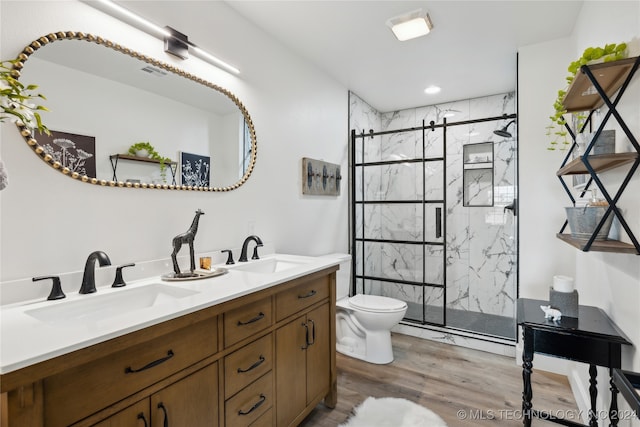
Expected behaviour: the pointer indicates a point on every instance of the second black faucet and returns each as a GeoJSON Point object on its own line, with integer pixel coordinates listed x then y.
{"type": "Point", "coordinates": [243, 254]}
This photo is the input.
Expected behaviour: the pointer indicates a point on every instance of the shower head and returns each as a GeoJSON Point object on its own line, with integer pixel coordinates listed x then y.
{"type": "Point", "coordinates": [503, 132]}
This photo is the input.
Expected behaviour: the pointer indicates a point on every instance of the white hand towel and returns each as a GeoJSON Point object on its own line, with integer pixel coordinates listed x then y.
{"type": "Point", "coordinates": [4, 179]}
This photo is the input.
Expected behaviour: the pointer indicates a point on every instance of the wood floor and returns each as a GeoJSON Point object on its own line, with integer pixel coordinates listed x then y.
{"type": "Point", "coordinates": [454, 382]}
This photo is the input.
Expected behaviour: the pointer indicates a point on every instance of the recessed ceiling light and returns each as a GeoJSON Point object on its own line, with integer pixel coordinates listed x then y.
{"type": "Point", "coordinates": [449, 114]}
{"type": "Point", "coordinates": [432, 90]}
{"type": "Point", "coordinates": [410, 25]}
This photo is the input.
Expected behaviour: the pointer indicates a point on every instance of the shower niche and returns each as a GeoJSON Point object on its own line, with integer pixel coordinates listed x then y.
{"type": "Point", "coordinates": [477, 176]}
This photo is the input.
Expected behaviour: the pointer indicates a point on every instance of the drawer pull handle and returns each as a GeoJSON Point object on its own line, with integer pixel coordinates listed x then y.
{"type": "Point", "coordinates": [313, 333]}
{"type": "Point", "coordinates": [144, 420]}
{"type": "Point", "coordinates": [166, 416]}
{"type": "Point", "coordinates": [130, 370]}
{"type": "Point", "coordinates": [252, 367]}
{"type": "Point", "coordinates": [310, 294]}
{"type": "Point", "coordinates": [254, 407]}
{"type": "Point", "coordinates": [306, 336]}
{"type": "Point", "coordinates": [260, 316]}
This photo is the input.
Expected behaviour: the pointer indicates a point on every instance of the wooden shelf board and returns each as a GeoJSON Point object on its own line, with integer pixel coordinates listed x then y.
{"type": "Point", "coordinates": [137, 159]}
{"type": "Point", "coordinates": [599, 245]}
{"type": "Point", "coordinates": [599, 163]}
{"type": "Point", "coordinates": [582, 96]}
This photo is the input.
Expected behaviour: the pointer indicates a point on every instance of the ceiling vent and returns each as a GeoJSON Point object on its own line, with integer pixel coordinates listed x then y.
{"type": "Point", "coordinates": [154, 71]}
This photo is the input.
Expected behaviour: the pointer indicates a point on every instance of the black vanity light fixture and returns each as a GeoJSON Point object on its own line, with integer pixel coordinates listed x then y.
{"type": "Point", "coordinates": [175, 42]}
{"type": "Point", "coordinates": [410, 25]}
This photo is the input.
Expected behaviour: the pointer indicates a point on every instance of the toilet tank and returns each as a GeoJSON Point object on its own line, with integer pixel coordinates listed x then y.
{"type": "Point", "coordinates": [343, 275]}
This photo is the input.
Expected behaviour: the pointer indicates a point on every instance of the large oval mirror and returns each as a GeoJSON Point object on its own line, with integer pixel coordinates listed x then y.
{"type": "Point", "coordinates": [103, 98]}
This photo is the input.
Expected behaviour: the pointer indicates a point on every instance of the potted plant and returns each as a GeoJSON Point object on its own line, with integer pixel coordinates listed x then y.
{"type": "Point", "coordinates": [556, 129]}
{"type": "Point", "coordinates": [15, 98]}
{"type": "Point", "coordinates": [146, 150]}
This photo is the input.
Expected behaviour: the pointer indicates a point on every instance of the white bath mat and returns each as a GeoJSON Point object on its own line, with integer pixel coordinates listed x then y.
{"type": "Point", "coordinates": [392, 412]}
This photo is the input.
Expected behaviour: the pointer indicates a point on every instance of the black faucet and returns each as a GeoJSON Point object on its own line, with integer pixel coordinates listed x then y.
{"type": "Point", "coordinates": [88, 279]}
{"type": "Point", "coordinates": [243, 254]}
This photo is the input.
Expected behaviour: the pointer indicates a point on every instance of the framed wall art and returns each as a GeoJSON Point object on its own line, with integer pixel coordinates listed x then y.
{"type": "Point", "coordinates": [195, 169]}
{"type": "Point", "coordinates": [73, 151]}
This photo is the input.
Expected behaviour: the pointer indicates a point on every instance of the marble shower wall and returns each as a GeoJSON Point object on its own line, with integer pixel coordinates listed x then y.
{"type": "Point", "coordinates": [481, 241]}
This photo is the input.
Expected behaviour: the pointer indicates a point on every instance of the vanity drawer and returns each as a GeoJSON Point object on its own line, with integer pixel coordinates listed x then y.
{"type": "Point", "coordinates": [300, 297]}
{"type": "Point", "coordinates": [246, 321]}
{"type": "Point", "coordinates": [265, 420]}
{"type": "Point", "coordinates": [244, 366]}
{"type": "Point", "coordinates": [248, 405]}
{"type": "Point", "coordinates": [80, 391]}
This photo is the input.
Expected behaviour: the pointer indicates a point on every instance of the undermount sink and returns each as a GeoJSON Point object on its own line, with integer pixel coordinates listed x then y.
{"type": "Point", "coordinates": [105, 307]}
{"type": "Point", "coordinates": [269, 265]}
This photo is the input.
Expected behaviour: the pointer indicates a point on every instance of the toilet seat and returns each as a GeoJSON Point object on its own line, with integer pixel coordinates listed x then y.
{"type": "Point", "coordinates": [376, 303]}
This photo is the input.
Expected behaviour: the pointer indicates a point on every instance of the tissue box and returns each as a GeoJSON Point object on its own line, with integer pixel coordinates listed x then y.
{"type": "Point", "coordinates": [566, 302]}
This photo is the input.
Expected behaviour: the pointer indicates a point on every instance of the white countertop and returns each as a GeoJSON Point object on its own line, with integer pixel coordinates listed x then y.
{"type": "Point", "coordinates": [26, 340]}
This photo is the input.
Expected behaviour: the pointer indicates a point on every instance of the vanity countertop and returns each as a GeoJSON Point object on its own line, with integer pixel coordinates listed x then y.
{"type": "Point", "coordinates": [27, 339]}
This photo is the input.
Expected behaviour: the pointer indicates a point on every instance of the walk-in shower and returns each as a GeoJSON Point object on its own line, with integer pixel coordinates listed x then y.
{"type": "Point", "coordinates": [433, 218]}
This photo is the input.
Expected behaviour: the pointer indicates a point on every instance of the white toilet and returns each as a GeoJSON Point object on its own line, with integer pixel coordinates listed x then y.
{"type": "Point", "coordinates": [364, 322]}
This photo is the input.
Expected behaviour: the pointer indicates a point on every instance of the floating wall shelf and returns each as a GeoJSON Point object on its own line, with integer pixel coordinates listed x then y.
{"type": "Point", "coordinates": [582, 96]}
{"type": "Point", "coordinates": [599, 163]}
{"type": "Point", "coordinates": [173, 166]}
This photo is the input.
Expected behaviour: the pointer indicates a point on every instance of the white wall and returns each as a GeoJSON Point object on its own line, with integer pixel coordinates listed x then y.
{"type": "Point", "coordinates": [541, 72]}
{"type": "Point", "coordinates": [50, 223]}
{"type": "Point", "coordinates": [609, 281]}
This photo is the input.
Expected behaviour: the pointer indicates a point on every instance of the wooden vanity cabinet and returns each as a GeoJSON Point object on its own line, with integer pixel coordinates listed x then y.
{"type": "Point", "coordinates": [192, 401]}
{"type": "Point", "coordinates": [263, 359]}
{"type": "Point", "coordinates": [137, 415]}
{"type": "Point", "coordinates": [305, 351]}
{"type": "Point", "coordinates": [86, 389]}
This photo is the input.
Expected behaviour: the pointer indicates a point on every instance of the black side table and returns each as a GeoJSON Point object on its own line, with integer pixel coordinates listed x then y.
{"type": "Point", "coordinates": [590, 338]}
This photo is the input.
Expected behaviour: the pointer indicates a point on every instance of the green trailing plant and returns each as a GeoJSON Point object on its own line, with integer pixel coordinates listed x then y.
{"type": "Point", "coordinates": [153, 154]}
{"type": "Point", "coordinates": [15, 100]}
{"type": "Point", "coordinates": [556, 130]}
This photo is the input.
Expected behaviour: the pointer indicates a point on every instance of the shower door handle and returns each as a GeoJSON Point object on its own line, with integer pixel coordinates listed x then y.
{"type": "Point", "coordinates": [438, 223]}
{"type": "Point", "coordinates": [513, 207]}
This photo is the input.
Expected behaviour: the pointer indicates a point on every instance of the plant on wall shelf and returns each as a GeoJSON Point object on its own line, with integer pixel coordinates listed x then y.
{"type": "Point", "coordinates": [15, 105]}
{"type": "Point", "coordinates": [556, 129]}
{"type": "Point", "coordinates": [145, 149]}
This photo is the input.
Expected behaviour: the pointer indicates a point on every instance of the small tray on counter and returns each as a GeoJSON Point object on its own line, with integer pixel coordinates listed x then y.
{"type": "Point", "coordinates": [194, 275]}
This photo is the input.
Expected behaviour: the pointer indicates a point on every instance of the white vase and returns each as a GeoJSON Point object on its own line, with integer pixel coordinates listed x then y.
{"type": "Point", "coordinates": [142, 153]}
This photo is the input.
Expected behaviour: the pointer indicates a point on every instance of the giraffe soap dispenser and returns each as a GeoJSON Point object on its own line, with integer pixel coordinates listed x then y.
{"type": "Point", "coordinates": [188, 237]}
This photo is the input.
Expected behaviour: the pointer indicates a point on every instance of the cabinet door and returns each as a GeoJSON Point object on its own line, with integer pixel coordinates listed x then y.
{"type": "Point", "coordinates": [134, 416]}
{"type": "Point", "coordinates": [192, 401]}
{"type": "Point", "coordinates": [318, 353]}
{"type": "Point", "coordinates": [290, 371]}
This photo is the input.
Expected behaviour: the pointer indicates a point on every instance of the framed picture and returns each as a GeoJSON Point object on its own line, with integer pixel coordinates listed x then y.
{"type": "Point", "coordinates": [195, 170]}
{"type": "Point", "coordinates": [76, 152]}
